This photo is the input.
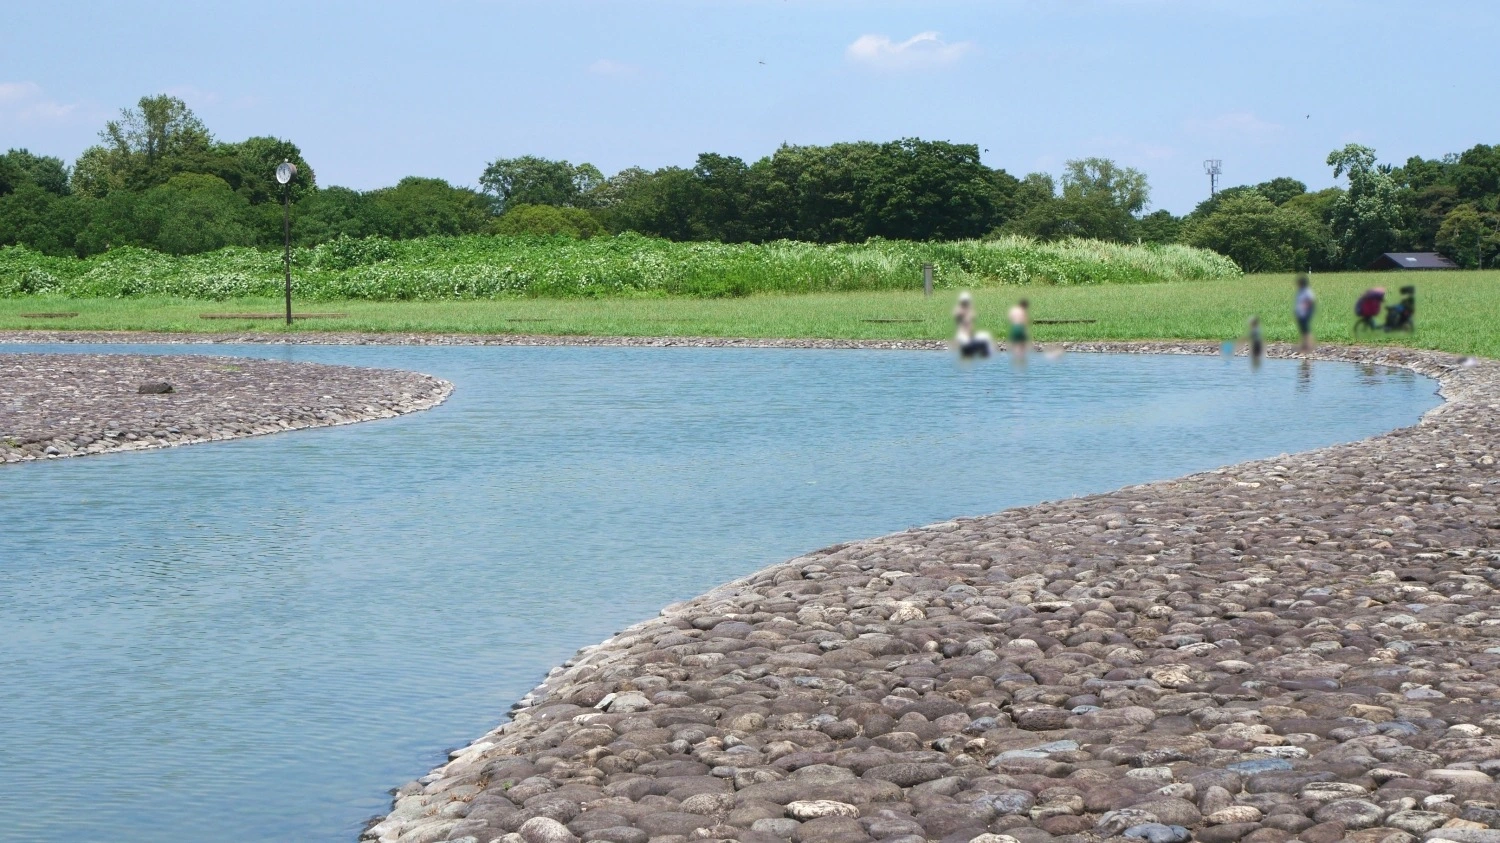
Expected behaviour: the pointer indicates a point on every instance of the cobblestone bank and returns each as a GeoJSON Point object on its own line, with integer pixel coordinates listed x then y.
{"type": "Point", "coordinates": [1305, 647]}
{"type": "Point", "coordinates": [68, 405]}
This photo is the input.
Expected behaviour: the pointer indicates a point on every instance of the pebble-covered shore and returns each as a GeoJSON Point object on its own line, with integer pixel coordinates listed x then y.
{"type": "Point", "coordinates": [1305, 647]}
{"type": "Point", "coordinates": [69, 405]}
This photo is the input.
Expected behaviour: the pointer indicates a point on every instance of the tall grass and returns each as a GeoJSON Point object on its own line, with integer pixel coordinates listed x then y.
{"type": "Point", "coordinates": [482, 267]}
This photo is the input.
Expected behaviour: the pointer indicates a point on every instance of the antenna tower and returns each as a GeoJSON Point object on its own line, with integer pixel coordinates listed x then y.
{"type": "Point", "coordinates": [1213, 167]}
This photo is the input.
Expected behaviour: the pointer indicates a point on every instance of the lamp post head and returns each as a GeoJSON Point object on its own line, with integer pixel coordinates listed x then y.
{"type": "Point", "coordinates": [284, 172]}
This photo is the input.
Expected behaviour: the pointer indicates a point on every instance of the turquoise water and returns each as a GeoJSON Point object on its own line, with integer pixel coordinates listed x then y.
{"type": "Point", "coordinates": [254, 640]}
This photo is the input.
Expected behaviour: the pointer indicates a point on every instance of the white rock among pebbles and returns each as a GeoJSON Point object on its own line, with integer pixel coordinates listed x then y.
{"type": "Point", "coordinates": [817, 808]}
{"type": "Point", "coordinates": [545, 830]}
{"type": "Point", "coordinates": [1234, 814]}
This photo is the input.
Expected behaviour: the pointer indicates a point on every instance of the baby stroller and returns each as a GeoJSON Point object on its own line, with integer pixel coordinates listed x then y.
{"type": "Point", "coordinates": [1398, 317]}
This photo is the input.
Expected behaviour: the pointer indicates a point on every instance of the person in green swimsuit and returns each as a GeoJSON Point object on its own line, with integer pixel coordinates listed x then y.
{"type": "Point", "coordinates": [1020, 323]}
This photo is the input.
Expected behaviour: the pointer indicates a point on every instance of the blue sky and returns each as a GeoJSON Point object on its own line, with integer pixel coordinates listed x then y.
{"type": "Point", "coordinates": [374, 91]}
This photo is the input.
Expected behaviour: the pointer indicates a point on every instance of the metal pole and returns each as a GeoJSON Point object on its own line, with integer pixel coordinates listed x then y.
{"type": "Point", "coordinates": [286, 230]}
{"type": "Point", "coordinates": [927, 280]}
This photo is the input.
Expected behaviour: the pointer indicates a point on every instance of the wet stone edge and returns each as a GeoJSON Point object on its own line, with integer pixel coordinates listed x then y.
{"type": "Point", "coordinates": [1301, 647]}
{"type": "Point", "coordinates": [1305, 647]}
{"type": "Point", "coordinates": [54, 406]}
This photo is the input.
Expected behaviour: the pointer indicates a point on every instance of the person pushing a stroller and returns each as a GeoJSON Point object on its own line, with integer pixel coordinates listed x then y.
{"type": "Point", "coordinates": [1398, 316]}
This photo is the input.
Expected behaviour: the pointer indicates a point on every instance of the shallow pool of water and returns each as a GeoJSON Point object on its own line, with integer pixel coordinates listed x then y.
{"type": "Point", "coordinates": [254, 640]}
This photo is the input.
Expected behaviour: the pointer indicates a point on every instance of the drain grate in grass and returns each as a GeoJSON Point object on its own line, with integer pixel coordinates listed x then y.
{"type": "Point", "coordinates": [48, 315]}
{"type": "Point", "coordinates": [1063, 321]}
{"type": "Point", "coordinates": [272, 316]}
{"type": "Point", "coordinates": [891, 321]}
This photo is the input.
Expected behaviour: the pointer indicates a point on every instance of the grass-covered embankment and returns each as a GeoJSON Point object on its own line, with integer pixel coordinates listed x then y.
{"type": "Point", "coordinates": [481, 267]}
{"type": "Point", "coordinates": [1456, 311]}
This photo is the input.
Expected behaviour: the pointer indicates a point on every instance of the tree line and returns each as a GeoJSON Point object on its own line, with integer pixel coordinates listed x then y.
{"type": "Point", "coordinates": [159, 179]}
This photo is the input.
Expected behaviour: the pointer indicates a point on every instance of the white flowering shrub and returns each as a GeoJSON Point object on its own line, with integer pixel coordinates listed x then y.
{"type": "Point", "coordinates": [482, 267]}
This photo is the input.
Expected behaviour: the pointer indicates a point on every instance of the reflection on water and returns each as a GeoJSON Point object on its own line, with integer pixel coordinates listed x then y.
{"type": "Point", "coordinates": [253, 640]}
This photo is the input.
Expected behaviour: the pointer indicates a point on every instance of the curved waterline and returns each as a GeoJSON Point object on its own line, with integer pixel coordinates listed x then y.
{"type": "Point", "coordinates": [304, 526]}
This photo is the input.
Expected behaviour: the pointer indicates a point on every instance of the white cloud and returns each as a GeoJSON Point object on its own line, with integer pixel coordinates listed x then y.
{"type": "Point", "coordinates": [18, 91]}
{"type": "Point", "coordinates": [1242, 125]}
{"type": "Point", "coordinates": [610, 67]}
{"type": "Point", "coordinates": [47, 110]}
{"type": "Point", "coordinates": [923, 50]}
{"type": "Point", "coordinates": [24, 102]}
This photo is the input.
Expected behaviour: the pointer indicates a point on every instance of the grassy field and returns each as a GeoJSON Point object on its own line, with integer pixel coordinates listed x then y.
{"type": "Point", "coordinates": [1456, 311]}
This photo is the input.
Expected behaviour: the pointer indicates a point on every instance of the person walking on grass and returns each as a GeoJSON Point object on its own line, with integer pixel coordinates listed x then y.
{"type": "Point", "coordinates": [1306, 304]}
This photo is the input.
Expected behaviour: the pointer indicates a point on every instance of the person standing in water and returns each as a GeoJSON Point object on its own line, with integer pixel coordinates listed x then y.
{"type": "Point", "coordinates": [963, 319]}
{"type": "Point", "coordinates": [1306, 304]}
{"type": "Point", "coordinates": [1020, 324]}
{"type": "Point", "coordinates": [1257, 342]}
{"type": "Point", "coordinates": [970, 343]}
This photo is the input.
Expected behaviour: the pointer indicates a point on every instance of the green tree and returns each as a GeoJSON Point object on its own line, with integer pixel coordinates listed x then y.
{"type": "Point", "coordinates": [1423, 212]}
{"type": "Point", "coordinates": [926, 190]}
{"type": "Point", "coordinates": [1470, 237]}
{"type": "Point", "coordinates": [548, 220]}
{"type": "Point", "coordinates": [1100, 200]}
{"type": "Point", "coordinates": [1008, 200]}
{"type": "Point", "coordinates": [810, 193]}
{"type": "Point", "coordinates": [149, 144]}
{"type": "Point", "coordinates": [420, 207]}
{"type": "Point", "coordinates": [1366, 219]}
{"type": "Point", "coordinates": [723, 191]}
{"type": "Point", "coordinates": [97, 173]}
{"type": "Point", "coordinates": [193, 213]}
{"type": "Point", "coordinates": [1160, 227]}
{"type": "Point", "coordinates": [112, 221]}
{"type": "Point", "coordinates": [658, 204]}
{"type": "Point", "coordinates": [10, 175]}
{"type": "Point", "coordinates": [1476, 175]}
{"type": "Point", "coordinates": [909, 189]}
{"type": "Point", "coordinates": [1431, 189]}
{"type": "Point", "coordinates": [1033, 190]}
{"type": "Point", "coordinates": [1212, 203]}
{"type": "Point", "coordinates": [1281, 189]}
{"type": "Point", "coordinates": [1101, 181]}
{"type": "Point", "coordinates": [329, 213]}
{"type": "Point", "coordinates": [37, 218]}
{"type": "Point", "coordinates": [617, 187]}
{"type": "Point", "coordinates": [1318, 205]}
{"type": "Point", "coordinates": [1256, 234]}
{"type": "Point", "coordinates": [190, 213]}
{"type": "Point", "coordinates": [18, 167]}
{"type": "Point", "coordinates": [530, 180]}
{"type": "Point", "coordinates": [1418, 173]}
{"type": "Point", "coordinates": [249, 167]}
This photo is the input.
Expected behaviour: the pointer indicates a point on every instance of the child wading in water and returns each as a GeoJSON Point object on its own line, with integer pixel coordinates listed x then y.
{"type": "Point", "coordinates": [970, 343]}
{"type": "Point", "coordinates": [1020, 323]}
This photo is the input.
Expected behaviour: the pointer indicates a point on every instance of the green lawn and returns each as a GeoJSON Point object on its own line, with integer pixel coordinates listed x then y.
{"type": "Point", "coordinates": [1456, 311]}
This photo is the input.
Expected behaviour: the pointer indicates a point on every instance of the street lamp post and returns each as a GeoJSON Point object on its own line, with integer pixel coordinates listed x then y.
{"type": "Point", "coordinates": [284, 172]}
